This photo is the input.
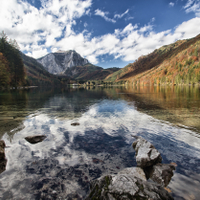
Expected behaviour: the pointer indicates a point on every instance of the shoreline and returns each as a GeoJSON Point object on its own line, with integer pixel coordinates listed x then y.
{"type": "Point", "coordinates": [18, 88]}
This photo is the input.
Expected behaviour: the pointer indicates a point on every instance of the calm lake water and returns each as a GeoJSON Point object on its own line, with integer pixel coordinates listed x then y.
{"type": "Point", "coordinates": [62, 166]}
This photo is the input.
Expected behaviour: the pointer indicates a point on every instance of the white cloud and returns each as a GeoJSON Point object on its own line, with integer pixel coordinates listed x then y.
{"type": "Point", "coordinates": [103, 14]}
{"type": "Point", "coordinates": [189, 3]}
{"type": "Point", "coordinates": [88, 12]}
{"type": "Point", "coordinates": [146, 28]}
{"type": "Point", "coordinates": [53, 49]}
{"type": "Point", "coordinates": [37, 52]}
{"type": "Point", "coordinates": [127, 30]}
{"type": "Point", "coordinates": [121, 15]}
{"type": "Point", "coordinates": [85, 24]}
{"type": "Point", "coordinates": [189, 28]}
{"type": "Point", "coordinates": [93, 59]}
{"type": "Point", "coordinates": [193, 6]}
{"type": "Point", "coordinates": [31, 26]}
{"type": "Point", "coordinates": [129, 18]}
{"type": "Point", "coordinates": [171, 4]}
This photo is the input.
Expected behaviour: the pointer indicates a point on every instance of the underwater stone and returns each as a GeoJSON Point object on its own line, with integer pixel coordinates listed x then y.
{"type": "Point", "coordinates": [160, 173]}
{"type": "Point", "coordinates": [3, 160]}
{"type": "Point", "coordinates": [75, 124]}
{"type": "Point", "coordinates": [35, 139]}
{"type": "Point", "coordinates": [2, 149]}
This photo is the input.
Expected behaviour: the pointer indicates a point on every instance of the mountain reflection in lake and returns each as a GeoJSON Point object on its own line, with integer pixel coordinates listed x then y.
{"type": "Point", "coordinates": [62, 166]}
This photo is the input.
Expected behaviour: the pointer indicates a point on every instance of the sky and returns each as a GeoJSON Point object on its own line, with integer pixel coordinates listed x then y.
{"type": "Point", "coordinates": [109, 33]}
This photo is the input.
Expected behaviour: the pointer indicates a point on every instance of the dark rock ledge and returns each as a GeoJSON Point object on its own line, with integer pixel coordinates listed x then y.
{"type": "Point", "coordinates": [35, 138]}
{"type": "Point", "coordinates": [131, 183]}
{"type": "Point", "coordinates": [3, 160]}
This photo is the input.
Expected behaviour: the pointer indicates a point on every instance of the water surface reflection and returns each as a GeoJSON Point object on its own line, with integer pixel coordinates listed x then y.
{"type": "Point", "coordinates": [71, 156]}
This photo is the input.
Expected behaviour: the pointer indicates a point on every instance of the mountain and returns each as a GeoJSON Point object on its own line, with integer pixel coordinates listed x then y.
{"type": "Point", "coordinates": [54, 69]}
{"type": "Point", "coordinates": [89, 72]}
{"type": "Point", "coordinates": [177, 63]}
{"type": "Point", "coordinates": [59, 62]}
{"type": "Point", "coordinates": [71, 64]}
{"type": "Point", "coordinates": [37, 74]}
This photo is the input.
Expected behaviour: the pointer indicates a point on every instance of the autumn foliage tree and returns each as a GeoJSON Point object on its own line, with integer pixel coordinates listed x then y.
{"type": "Point", "coordinates": [11, 62]}
{"type": "Point", "coordinates": [4, 71]}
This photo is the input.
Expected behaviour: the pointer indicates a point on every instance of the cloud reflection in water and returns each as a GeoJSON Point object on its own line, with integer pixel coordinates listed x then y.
{"type": "Point", "coordinates": [103, 139]}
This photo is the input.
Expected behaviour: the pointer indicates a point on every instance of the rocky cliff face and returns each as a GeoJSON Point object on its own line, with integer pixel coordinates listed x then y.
{"type": "Point", "coordinates": [59, 62]}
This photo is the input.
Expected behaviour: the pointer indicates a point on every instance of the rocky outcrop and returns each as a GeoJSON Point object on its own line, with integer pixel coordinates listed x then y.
{"type": "Point", "coordinates": [2, 149]}
{"type": "Point", "coordinates": [137, 171]}
{"type": "Point", "coordinates": [146, 154]}
{"type": "Point", "coordinates": [3, 160]}
{"type": "Point", "coordinates": [131, 183]}
{"type": "Point", "coordinates": [148, 158]}
{"type": "Point", "coordinates": [35, 139]}
{"type": "Point", "coordinates": [59, 62]}
{"type": "Point", "coordinates": [3, 163]}
{"type": "Point", "coordinates": [126, 186]}
{"type": "Point", "coordinates": [160, 173]}
{"type": "Point", "coordinates": [75, 124]}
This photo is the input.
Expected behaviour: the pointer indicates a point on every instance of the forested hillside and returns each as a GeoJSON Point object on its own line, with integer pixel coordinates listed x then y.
{"type": "Point", "coordinates": [12, 71]}
{"type": "Point", "coordinates": [177, 63]}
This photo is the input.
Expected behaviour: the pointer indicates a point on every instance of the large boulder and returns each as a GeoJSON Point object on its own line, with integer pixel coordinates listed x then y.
{"type": "Point", "coordinates": [3, 159]}
{"type": "Point", "coordinates": [2, 149]}
{"type": "Point", "coordinates": [160, 173]}
{"type": "Point", "coordinates": [75, 124]}
{"type": "Point", "coordinates": [131, 183]}
{"type": "Point", "coordinates": [3, 163]}
{"type": "Point", "coordinates": [35, 138]}
{"type": "Point", "coordinates": [146, 154]}
{"type": "Point", "coordinates": [137, 171]}
{"type": "Point", "coordinates": [126, 186]}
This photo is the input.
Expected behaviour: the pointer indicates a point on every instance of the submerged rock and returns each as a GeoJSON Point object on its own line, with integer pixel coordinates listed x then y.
{"type": "Point", "coordinates": [160, 173]}
{"type": "Point", "coordinates": [3, 163]}
{"type": "Point", "coordinates": [35, 138]}
{"type": "Point", "coordinates": [146, 154]}
{"type": "Point", "coordinates": [3, 160]}
{"type": "Point", "coordinates": [75, 124]}
{"type": "Point", "coordinates": [2, 149]}
{"type": "Point", "coordinates": [126, 186]}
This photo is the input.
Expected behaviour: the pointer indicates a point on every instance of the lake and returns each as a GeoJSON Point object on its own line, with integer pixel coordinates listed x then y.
{"type": "Point", "coordinates": [62, 166]}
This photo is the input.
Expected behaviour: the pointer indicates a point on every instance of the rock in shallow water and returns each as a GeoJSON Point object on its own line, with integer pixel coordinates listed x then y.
{"type": "Point", "coordinates": [2, 149]}
{"type": "Point", "coordinates": [146, 154]}
{"type": "Point", "coordinates": [160, 173]}
{"type": "Point", "coordinates": [3, 159]}
{"type": "Point", "coordinates": [126, 186]}
{"type": "Point", "coordinates": [35, 138]}
{"type": "Point", "coordinates": [3, 163]}
{"type": "Point", "coordinates": [131, 183]}
{"type": "Point", "coordinates": [138, 172]}
{"type": "Point", "coordinates": [75, 124]}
